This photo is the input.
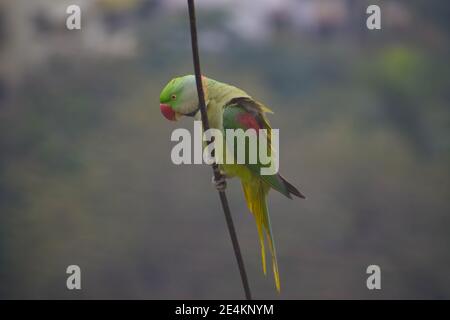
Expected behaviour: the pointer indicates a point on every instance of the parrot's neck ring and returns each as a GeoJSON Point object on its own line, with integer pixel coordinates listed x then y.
{"type": "Point", "coordinates": [193, 113]}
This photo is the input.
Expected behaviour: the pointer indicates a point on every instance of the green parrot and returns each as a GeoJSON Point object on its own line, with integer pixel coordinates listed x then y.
{"type": "Point", "coordinates": [229, 107]}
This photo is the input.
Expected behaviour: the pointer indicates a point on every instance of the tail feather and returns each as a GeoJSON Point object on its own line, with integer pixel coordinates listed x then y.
{"type": "Point", "coordinates": [291, 189]}
{"type": "Point", "coordinates": [255, 195]}
{"type": "Point", "coordinates": [253, 207]}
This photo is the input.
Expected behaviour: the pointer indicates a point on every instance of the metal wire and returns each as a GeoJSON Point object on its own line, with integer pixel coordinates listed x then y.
{"type": "Point", "coordinates": [217, 174]}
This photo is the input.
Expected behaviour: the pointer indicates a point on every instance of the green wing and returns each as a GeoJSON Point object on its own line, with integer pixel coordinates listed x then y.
{"type": "Point", "coordinates": [245, 113]}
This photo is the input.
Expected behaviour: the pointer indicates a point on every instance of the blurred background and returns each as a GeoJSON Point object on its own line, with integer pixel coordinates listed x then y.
{"type": "Point", "coordinates": [86, 176]}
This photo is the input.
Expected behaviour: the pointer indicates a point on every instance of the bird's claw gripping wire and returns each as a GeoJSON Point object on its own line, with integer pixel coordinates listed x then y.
{"type": "Point", "coordinates": [221, 183]}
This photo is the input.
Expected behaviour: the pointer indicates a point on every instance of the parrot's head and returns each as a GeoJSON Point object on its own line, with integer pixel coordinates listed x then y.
{"type": "Point", "coordinates": [179, 98]}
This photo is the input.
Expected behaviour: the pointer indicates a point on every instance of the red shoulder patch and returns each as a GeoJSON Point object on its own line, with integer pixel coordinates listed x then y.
{"type": "Point", "coordinates": [248, 121]}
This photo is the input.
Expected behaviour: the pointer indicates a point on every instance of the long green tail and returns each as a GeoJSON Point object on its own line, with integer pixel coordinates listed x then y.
{"type": "Point", "coordinates": [255, 193]}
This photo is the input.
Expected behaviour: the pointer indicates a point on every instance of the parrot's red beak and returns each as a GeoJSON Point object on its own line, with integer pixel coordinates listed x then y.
{"type": "Point", "coordinates": [167, 112]}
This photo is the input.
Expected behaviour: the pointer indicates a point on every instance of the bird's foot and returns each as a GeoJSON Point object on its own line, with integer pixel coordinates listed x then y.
{"type": "Point", "coordinates": [221, 183]}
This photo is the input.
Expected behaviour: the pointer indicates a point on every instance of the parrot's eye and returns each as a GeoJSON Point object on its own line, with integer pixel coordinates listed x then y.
{"type": "Point", "coordinates": [174, 96]}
